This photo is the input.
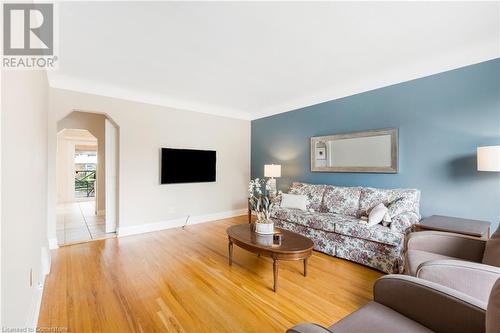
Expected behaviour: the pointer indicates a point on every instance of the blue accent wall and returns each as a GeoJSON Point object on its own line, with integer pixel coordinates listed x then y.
{"type": "Point", "coordinates": [441, 120]}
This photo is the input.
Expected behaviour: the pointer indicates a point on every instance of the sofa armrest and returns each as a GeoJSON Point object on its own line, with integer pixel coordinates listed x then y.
{"type": "Point", "coordinates": [447, 244]}
{"type": "Point", "coordinates": [277, 200]}
{"type": "Point", "coordinates": [276, 205]}
{"type": "Point", "coordinates": [471, 278]}
{"type": "Point", "coordinates": [439, 308]}
{"type": "Point", "coordinates": [404, 221]}
{"type": "Point", "coordinates": [308, 328]}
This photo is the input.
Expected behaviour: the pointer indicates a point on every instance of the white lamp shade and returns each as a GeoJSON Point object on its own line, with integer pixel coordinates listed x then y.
{"type": "Point", "coordinates": [272, 170]}
{"type": "Point", "coordinates": [488, 158]}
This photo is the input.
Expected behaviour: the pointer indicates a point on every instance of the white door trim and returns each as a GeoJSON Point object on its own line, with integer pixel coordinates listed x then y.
{"type": "Point", "coordinates": [111, 179]}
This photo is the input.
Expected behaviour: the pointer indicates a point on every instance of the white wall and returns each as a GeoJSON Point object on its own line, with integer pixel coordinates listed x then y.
{"type": "Point", "coordinates": [24, 194]}
{"type": "Point", "coordinates": [144, 129]}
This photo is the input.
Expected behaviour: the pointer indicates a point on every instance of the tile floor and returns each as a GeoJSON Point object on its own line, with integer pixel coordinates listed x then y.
{"type": "Point", "coordinates": [77, 222]}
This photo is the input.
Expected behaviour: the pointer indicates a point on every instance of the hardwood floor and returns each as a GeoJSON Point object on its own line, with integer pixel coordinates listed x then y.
{"type": "Point", "coordinates": [180, 281]}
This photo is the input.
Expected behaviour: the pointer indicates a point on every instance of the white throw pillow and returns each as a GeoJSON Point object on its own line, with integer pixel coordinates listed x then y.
{"type": "Point", "coordinates": [296, 201]}
{"type": "Point", "coordinates": [377, 214]}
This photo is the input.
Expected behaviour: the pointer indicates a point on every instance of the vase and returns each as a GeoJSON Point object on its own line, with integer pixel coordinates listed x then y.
{"type": "Point", "coordinates": [264, 227]}
{"type": "Point", "coordinates": [264, 240]}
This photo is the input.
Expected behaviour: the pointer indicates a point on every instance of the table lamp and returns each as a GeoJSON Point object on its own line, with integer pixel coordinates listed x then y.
{"type": "Point", "coordinates": [272, 171]}
{"type": "Point", "coordinates": [488, 158]}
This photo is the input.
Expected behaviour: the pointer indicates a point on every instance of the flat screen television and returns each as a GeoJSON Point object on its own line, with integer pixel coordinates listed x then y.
{"type": "Point", "coordinates": [187, 166]}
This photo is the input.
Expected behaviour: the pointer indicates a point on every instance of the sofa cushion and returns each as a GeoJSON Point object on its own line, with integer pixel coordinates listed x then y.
{"type": "Point", "coordinates": [376, 233]}
{"type": "Point", "coordinates": [401, 206]}
{"type": "Point", "coordinates": [370, 197]}
{"type": "Point", "coordinates": [402, 222]}
{"type": "Point", "coordinates": [375, 317]}
{"type": "Point", "coordinates": [313, 192]}
{"type": "Point", "coordinates": [417, 257]}
{"type": "Point", "coordinates": [285, 214]}
{"type": "Point", "coordinates": [320, 221]}
{"type": "Point", "coordinates": [341, 224]}
{"type": "Point", "coordinates": [308, 219]}
{"type": "Point", "coordinates": [341, 200]}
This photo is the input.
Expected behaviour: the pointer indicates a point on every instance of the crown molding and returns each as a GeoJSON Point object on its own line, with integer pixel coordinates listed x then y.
{"type": "Point", "coordinates": [377, 81]}
{"type": "Point", "coordinates": [101, 89]}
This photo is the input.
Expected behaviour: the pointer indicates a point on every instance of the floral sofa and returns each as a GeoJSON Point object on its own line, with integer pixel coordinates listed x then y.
{"type": "Point", "coordinates": [334, 222]}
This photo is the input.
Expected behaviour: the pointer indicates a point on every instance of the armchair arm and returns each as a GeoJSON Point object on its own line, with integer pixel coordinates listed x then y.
{"type": "Point", "coordinates": [447, 244]}
{"type": "Point", "coordinates": [471, 278]}
{"type": "Point", "coordinates": [403, 221]}
{"type": "Point", "coordinates": [308, 328]}
{"type": "Point", "coordinates": [439, 308]}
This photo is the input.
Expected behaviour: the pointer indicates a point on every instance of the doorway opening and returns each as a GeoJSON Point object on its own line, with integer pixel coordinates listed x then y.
{"type": "Point", "coordinates": [86, 176]}
{"type": "Point", "coordinates": [85, 171]}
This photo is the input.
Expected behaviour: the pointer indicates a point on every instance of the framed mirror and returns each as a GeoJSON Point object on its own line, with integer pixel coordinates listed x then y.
{"type": "Point", "coordinates": [370, 151]}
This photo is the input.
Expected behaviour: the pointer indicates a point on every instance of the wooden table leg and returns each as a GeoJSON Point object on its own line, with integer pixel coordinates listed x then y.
{"type": "Point", "coordinates": [249, 213]}
{"type": "Point", "coordinates": [275, 274]}
{"type": "Point", "coordinates": [305, 266]}
{"type": "Point", "coordinates": [230, 246]}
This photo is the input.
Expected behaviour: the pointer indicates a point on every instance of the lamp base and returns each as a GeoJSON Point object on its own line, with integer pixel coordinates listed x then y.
{"type": "Point", "coordinates": [272, 185]}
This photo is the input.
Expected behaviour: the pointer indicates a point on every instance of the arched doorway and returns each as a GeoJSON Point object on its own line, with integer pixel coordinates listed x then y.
{"type": "Point", "coordinates": [86, 176]}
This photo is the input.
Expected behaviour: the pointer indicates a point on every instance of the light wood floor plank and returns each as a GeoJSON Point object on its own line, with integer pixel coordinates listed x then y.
{"type": "Point", "coordinates": [180, 281]}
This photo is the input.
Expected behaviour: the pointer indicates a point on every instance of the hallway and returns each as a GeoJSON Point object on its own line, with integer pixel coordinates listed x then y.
{"type": "Point", "coordinates": [77, 222]}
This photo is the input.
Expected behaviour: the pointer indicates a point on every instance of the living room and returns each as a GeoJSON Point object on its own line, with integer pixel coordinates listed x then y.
{"type": "Point", "coordinates": [301, 167]}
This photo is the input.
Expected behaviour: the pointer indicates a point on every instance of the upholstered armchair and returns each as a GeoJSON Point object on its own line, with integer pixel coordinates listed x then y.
{"type": "Point", "coordinates": [407, 304]}
{"type": "Point", "coordinates": [467, 264]}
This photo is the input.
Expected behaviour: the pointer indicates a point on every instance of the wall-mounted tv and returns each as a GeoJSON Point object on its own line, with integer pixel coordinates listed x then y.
{"type": "Point", "coordinates": [187, 166]}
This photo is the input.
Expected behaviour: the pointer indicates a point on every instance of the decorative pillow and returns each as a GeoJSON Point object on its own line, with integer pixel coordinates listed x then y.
{"type": "Point", "coordinates": [386, 221]}
{"type": "Point", "coordinates": [313, 192]}
{"type": "Point", "coordinates": [399, 206]}
{"type": "Point", "coordinates": [377, 214]}
{"type": "Point", "coordinates": [341, 200]}
{"type": "Point", "coordinates": [295, 201]}
{"type": "Point", "coordinates": [402, 222]}
{"type": "Point", "coordinates": [277, 200]}
{"type": "Point", "coordinates": [370, 197]}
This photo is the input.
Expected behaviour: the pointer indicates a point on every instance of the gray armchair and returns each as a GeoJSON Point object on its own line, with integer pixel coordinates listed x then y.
{"type": "Point", "coordinates": [467, 264]}
{"type": "Point", "coordinates": [407, 304]}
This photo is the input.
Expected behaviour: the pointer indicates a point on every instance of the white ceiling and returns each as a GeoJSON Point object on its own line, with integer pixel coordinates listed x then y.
{"type": "Point", "coordinates": [253, 59]}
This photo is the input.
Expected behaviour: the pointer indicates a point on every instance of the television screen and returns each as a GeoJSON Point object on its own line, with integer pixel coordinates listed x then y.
{"type": "Point", "coordinates": [187, 166]}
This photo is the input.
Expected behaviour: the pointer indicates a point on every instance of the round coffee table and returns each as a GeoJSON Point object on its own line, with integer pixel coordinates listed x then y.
{"type": "Point", "coordinates": [292, 247]}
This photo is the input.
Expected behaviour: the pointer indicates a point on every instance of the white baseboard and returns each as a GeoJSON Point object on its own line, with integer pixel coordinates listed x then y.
{"type": "Point", "coordinates": [53, 244]}
{"type": "Point", "coordinates": [46, 261]}
{"type": "Point", "coordinates": [36, 300]}
{"type": "Point", "coordinates": [34, 308]}
{"type": "Point", "coordinates": [176, 223]}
